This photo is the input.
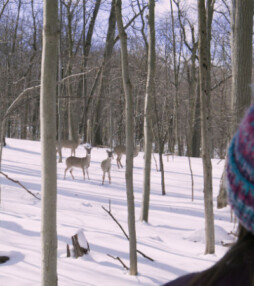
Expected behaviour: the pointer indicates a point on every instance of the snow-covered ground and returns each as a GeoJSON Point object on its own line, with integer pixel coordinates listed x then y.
{"type": "Point", "coordinates": [174, 236]}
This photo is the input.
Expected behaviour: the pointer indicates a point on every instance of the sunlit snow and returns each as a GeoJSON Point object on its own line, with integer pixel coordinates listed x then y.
{"type": "Point", "coordinates": [174, 236]}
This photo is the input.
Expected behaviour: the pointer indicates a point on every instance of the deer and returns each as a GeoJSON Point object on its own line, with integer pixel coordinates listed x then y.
{"type": "Point", "coordinates": [106, 166]}
{"type": "Point", "coordinates": [121, 150]}
{"type": "Point", "coordinates": [70, 144]}
{"type": "Point", "coordinates": [83, 163]}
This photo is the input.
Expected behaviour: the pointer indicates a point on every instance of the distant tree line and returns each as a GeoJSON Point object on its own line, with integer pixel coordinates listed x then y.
{"type": "Point", "coordinates": [90, 99]}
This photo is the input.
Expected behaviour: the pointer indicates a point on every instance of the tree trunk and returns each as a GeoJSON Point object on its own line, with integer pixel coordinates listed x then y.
{"type": "Point", "coordinates": [176, 67]}
{"type": "Point", "coordinates": [150, 93]}
{"type": "Point", "coordinates": [241, 54]}
{"type": "Point", "coordinates": [104, 78]}
{"type": "Point", "coordinates": [205, 140]}
{"type": "Point", "coordinates": [196, 137]}
{"type": "Point", "coordinates": [48, 139]}
{"type": "Point", "coordinates": [129, 138]}
{"type": "Point", "coordinates": [241, 58]}
{"type": "Point", "coordinates": [163, 190]}
{"type": "Point", "coordinates": [59, 87]}
{"type": "Point", "coordinates": [87, 43]}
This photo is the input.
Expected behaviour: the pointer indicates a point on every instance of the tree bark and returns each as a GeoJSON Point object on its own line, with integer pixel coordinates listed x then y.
{"type": "Point", "coordinates": [129, 139]}
{"type": "Point", "coordinates": [104, 77]}
{"type": "Point", "coordinates": [48, 139]}
{"type": "Point", "coordinates": [87, 43]}
{"type": "Point", "coordinates": [242, 22]}
{"type": "Point", "coordinates": [241, 54]}
{"type": "Point", "coordinates": [205, 140]}
{"type": "Point", "coordinates": [59, 87]}
{"type": "Point", "coordinates": [150, 93]}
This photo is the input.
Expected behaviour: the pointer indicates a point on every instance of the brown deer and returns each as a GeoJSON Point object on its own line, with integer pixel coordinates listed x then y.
{"type": "Point", "coordinates": [70, 144]}
{"type": "Point", "coordinates": [106, 166]}
{"type": "Point", "coordinates": [83, 163]}
{"type": "Point", "coordinates": [121, 150]}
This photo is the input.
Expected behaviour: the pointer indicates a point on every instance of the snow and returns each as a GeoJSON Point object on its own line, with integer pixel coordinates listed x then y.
{"type": "Point", "coordinates": [174, 236]}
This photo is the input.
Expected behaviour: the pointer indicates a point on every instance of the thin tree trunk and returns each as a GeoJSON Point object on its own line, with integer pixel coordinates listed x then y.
{"type": "Point", "coordinates": [204, 93]}
{"type": "Point", "coordinates": [150, 93]}
{"type": "Point", "coordinates": [196, 138]}
{"type": "Point", "coordinates": [176, 85]}
{"type": "Point", "coordinates": [104, 77]}
{"type": "Point", "coordinates": [163, 190]}
{"type": "Point", "coordinates": [129, 139]}
{"type": "Point", "coordinates": [59, 87]}
{"type": "Point", "coordinates": [87, 43]}
{"type": "Point", "coordinates": [48, 139]}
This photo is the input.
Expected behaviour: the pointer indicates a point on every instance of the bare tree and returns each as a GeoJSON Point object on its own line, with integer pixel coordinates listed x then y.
{"type": "Point", "coordinates": [48, 139]}
{"type": "Point", "coordinates": [176, 67]}
{"type": "Point", "coordinates": [242, 20]}
{"type": "Point", "coordinates": [241, 54]}
{"type": "Point", "coordinates": [204, 65]}
{"type": "Point", "coordinates": [129, 138]}
{"type": "Point", "coordinates": [87, 44]}
{"type": "Point", "coordinates": [3, 6]}
{"type": "Point", "coordinates": [149, 98]}
{"type": "Point", "coordinates": [104, 75]}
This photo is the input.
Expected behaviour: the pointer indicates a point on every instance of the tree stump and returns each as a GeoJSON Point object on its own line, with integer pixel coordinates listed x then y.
{"type": "Point", "coordinates": [80, 245]}
{"type": "Point", "coordinates": [3, 259]}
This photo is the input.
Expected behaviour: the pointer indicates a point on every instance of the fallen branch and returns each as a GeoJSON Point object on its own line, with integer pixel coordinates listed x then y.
{"type": "Point", "coordinates": [126, 235]}
{"type": "Point", "coordinates": [119, 259]}
{"type": "Point", "coordinates": [109, 212]}
{"type": "Point", "coordinates": [17, 182]}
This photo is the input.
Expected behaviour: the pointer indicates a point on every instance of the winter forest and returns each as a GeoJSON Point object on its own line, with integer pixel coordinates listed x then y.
{"type": "Point", "coordinates": [143, 96]}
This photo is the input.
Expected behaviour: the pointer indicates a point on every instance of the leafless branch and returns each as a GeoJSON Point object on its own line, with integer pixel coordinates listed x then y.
{"type": "Point", "coordinates": [20, 184]}
{"type": "Point", "coordinates": [109, 212]}
{"type": "Point", "coordinates": [221, 82]}
{"type": "Point", "coordinates": [4, 6]}
{"type": "Point", "coordinates": [18, 99]}
{"type": "Point", "coordinates": [126, 235]}
{"type": "Point", "coordinates": [131, 21]}
{"type": "Point", "coordinates": [119, 259]}
{"type": "Point", "coordinates": [77, 74]}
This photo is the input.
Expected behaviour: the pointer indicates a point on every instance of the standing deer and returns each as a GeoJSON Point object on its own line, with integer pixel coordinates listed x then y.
{"type": "Point", "coordinates": [106, 166]}
{"type": "Point", "coordinates": [83, 163]}
{"type": "Point", "coordinates": [70, 144]}
{"type": "Point", "coordinates": [121, 150]}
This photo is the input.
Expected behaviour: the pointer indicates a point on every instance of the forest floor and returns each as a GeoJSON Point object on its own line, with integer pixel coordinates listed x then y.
{"type": "Point", "coordinates": [173, 238]}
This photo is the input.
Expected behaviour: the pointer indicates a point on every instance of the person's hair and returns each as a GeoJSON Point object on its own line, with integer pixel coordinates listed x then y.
{"type": "Point", "coordinates": [236, 255]}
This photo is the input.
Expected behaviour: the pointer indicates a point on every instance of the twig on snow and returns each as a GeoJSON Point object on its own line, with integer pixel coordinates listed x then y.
{"type": "Point", "coordinates": [17, 182]}
{"type": "Point", "coordinates": [119, 259]}
{"type": "Point", "coordinates": [126, 235]}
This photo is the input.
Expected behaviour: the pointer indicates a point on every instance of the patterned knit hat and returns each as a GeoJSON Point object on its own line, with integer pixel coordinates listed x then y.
{"type": "Point", "coordinates": [240, 172]}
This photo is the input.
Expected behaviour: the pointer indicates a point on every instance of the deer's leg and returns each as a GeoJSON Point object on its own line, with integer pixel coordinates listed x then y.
{"type": "Point", "coordinates": [120, 161]}
{"type": "Point", "coordinates": [109, 177]}
{"type": "Point", "coordinates": [65, 172]}
{"type": "Point", "coordinates": [84, 175]}
{"type": "Point", "coordinates": [87, 173]}
{"type": "Point", "coordinates": [71, 173]}
{"type": "Point", "coordinates": [103, 178]}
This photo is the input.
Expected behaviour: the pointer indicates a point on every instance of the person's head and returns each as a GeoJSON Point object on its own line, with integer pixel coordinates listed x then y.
{"type": "Point", "coordinates": [240, 172]}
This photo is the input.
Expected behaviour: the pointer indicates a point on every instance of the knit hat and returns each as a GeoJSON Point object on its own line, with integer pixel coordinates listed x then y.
{"type": "Point", "coordinates": [240, 172]}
